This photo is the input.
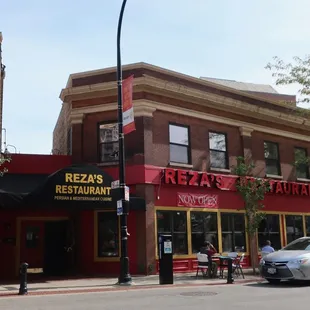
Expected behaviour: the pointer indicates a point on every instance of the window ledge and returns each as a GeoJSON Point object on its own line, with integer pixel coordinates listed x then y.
{"type": "Point", "coordinates": [303, 180]}
{"type": "Point", "coordinates": [110, 163]}
{"type": "Point", "coordinates": [220, 170]}
{"type": "Point", "coordinates": [172, 164]}
{"type": "Point", "coordinates": [273, 176]}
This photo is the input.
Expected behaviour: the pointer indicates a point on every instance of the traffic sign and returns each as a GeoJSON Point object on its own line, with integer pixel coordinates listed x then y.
{"type": "Point", "coordinates": [126, 193]}
{"type": "Point", "coordinates": [119, 207]}
{"type": "Point", "coordinates": [115, 184]}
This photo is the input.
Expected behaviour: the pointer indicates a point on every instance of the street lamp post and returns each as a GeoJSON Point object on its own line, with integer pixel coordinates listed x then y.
{"type": "Point", "coordinates": [124, 277]}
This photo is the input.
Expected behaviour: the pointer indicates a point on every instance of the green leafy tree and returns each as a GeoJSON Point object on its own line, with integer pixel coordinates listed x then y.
{"type": "Point", "coordinates": [295, 73]}
{"type": "Point", "coordinates": [252, 190]}
{"type": "Point", "coordinates": [4, 159]}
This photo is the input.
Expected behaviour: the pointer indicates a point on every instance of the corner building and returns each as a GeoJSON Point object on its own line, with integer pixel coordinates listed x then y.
{"type": "Point", "coordinates": [189, 132]}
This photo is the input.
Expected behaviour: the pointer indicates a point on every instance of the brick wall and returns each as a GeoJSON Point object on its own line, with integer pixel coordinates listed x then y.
{"type": "Point", "coordinates": [61, 133]}
{"type": "Point", "coordinates": [85, 139]}
{"type": "Point", "coordinates": [199, 139]}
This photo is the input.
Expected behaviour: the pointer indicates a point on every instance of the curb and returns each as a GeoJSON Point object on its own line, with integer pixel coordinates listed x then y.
{"type": "Point", "coordinates": [120, 289]}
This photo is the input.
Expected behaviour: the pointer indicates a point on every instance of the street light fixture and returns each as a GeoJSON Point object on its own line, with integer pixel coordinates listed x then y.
{"type": "Point", "coordinates": [124, 277]}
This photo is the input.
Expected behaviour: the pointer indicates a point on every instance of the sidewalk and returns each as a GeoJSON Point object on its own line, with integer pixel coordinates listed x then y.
{"type": "Point", "coordinates": [109, 284]}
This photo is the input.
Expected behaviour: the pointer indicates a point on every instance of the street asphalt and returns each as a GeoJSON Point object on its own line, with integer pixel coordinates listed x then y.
{"type": "Point", "coordinates": [258, 296]}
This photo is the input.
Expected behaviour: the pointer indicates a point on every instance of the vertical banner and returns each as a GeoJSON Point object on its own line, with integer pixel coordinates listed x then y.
{"type": "Point", "coordinates": [128, 116]}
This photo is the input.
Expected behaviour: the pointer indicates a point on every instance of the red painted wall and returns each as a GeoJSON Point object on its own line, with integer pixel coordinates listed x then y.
{"type": "Point", "coordinates": [37, 164]}
{"type": "Point", "coordinates": [86, 257]}
{"type": "Point", "coordinates": [8, 223]}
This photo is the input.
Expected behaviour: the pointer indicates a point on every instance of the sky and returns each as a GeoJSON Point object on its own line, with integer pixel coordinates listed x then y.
{"type": "Point", "coordinates": [44, 41]}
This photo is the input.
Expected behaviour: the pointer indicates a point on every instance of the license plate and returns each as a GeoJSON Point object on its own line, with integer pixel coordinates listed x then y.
{"type": "Point", "coordinates": [272, 270]}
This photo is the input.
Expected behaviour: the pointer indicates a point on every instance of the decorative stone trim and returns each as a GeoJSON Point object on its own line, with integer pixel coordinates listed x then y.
{"type": "Point", "coordinates": [76, 118]}
{"type": "Point", "coordinates": [273, 176]}
{"type": "Point", "coordinates": [188, 166]}
{"type": "Point", "coordinates": [220, 170]}
{"type": "Point", "coordinates": [246, 131]}
{"type": "Point", "coordinates": [303, 180]}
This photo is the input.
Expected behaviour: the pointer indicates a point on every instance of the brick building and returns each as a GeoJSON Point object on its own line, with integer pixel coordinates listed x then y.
{"type": "Point", "coordinates": [189, 132]}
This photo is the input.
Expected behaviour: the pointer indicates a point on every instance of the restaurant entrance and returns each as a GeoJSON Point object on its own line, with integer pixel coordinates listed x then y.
{"type": "Point", "coordinates": [56, 254]}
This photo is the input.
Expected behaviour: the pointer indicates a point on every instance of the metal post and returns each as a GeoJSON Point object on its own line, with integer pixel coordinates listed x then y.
{"type": "Point", "coordinates": [124, 277]}
{"type": "Point", "coordinates": [230, 279]}
{"type": "Point", "coordinates": [23, 289]}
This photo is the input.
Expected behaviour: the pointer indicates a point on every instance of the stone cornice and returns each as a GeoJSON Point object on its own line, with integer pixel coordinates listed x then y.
{"type": "Point", "coordinates": [147, 108]}
{"type": "Point", "coordinates": [206, 99]}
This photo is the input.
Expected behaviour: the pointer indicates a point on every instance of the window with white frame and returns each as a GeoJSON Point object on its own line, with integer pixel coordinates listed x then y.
{"type": "Point", "coordinates": [108, 142]}
{"type": "Point", "coordinates": [218, 150]}
{"type": "Point", "coordinates": [272, 159]}
{"type": "Point", "coordinates": [179, 144]}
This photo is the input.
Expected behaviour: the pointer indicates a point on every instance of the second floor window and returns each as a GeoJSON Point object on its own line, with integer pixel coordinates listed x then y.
{"type": "Point", "coordinates": [108, 142]}
{"type": "Point", "coordinates": [272, 159]}
{"type": "Point", "coordinates": [218, 150]}
{"type": "Point", "coordinates": [179, 144]}
{"type": "Point", "coordinates": [301, 163]}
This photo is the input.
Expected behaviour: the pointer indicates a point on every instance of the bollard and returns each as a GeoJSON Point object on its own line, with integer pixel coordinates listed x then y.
{"type": "Point", "coordinates": [230, 279]}
{"type": "Point", "coordinates": [209, 266]}
{"type": "Point", "coordinates": [23, 290]}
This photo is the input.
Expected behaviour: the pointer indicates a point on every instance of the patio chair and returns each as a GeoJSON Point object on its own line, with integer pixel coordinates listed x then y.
{"type": "Point", "coordinates": [237, 267]}
{"type": "Point", "coordinates": [203, 263]}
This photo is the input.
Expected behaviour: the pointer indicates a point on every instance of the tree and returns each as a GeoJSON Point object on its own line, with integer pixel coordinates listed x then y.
{"type": "Point", "coordinates": [4, 158]}
{"type": "Point", "coordinates": [252, 190]}
{"type": "Point", "coordinates": [297, 72]}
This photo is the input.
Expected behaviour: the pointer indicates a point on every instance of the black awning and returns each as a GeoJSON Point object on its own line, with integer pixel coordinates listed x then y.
{"type": "Point", "coordinates": [21, 183]}
{"type": "Point", "coordinates": [15, 187]}
{"type": "Point", "coordinates": [74, 187]}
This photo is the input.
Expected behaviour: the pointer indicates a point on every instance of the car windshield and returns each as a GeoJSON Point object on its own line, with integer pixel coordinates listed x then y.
{"type": "Point", "coordinates": [298, 245]}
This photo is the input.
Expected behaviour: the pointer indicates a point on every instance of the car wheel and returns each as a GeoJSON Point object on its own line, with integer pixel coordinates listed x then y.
{"type": "Point", "coordinates": [273, 281]}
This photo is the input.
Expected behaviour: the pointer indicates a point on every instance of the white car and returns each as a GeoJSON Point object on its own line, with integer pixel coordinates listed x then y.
{"type": "Point", "coordinates": [290, 263]}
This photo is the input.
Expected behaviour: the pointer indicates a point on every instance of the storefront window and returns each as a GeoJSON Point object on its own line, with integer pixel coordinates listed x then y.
{"type": "Point", "coordinates": [294, 227]}
{"type": "Point", "coordinates": [307, 218]}
{"type": "Point", "coordinates": [174, 223]}
{"type": "Point", "coordinates": [233, 232]}
{"type": "Point", "coordinates": [108, 234]}
{"type": "Point", "coordinates": [204, 228]}
{"type": "Point", "coordinates": [269, 229]}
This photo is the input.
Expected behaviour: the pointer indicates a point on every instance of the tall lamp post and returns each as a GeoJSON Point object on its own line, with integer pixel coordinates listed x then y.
{"type": "Point", "coordinates": [124, 277]}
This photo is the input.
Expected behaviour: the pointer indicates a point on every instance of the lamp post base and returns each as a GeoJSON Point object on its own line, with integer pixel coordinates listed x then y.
{"type": "Point", "coordinates": [125, 277]}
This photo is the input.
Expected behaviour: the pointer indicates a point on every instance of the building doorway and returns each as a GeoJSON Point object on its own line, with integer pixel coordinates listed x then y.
{"type": "Point", "coordinates": [55, 248]}
{"type": "Point", "coordinates": [44, 246]}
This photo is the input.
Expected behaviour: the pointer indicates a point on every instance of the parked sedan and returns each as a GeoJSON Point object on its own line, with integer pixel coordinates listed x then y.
{"type": "Point", "coordinates": [290, 263]}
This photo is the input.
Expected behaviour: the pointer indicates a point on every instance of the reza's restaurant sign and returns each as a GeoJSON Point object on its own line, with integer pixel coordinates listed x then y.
{"type": "Point", "coordinates": [83, 187]}
{"type": "Point", "coordinates": [227, 182]}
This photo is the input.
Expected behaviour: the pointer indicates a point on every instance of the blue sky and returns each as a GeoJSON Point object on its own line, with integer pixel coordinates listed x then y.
{"type": "Point", "coordinates": [45, 41]}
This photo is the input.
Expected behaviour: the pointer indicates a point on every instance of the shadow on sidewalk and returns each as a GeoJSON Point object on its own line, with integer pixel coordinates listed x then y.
{"type": "Point", "coordinates": [282, 284]}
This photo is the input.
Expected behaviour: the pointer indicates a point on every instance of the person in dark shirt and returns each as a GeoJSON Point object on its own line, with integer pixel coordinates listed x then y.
{"type": "Point", "coordinates": [210, 250]}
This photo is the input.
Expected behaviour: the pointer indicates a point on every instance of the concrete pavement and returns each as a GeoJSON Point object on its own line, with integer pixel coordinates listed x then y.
{"type": "Point", "coordinates": [239, 297]}
{"type": "Point", "coordinates": [108, 284]}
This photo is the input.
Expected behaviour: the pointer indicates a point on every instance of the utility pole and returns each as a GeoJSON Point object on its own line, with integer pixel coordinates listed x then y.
{"type": "Point", "coordinates": [2, 76]}
{"type": "Point", "coordinates": [124, 277]}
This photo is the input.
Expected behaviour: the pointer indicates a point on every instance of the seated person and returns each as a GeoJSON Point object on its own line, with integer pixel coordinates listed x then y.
{"type": "Point", "coordinates": [268, 248]}
{"type": "Point", "coordinates": [210, 250]}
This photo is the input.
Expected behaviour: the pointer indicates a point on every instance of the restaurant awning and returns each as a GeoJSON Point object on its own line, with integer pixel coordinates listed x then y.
{"type": "Point", "coordinates": [76, 186]}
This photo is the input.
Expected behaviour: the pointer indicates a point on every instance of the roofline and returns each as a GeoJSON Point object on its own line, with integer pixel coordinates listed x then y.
{"type": "Point", "coordinates": [197, 80]}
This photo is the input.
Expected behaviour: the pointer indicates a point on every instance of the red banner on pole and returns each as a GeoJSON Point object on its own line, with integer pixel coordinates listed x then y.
{"type": "Point", "coordinates": [128, 116]}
